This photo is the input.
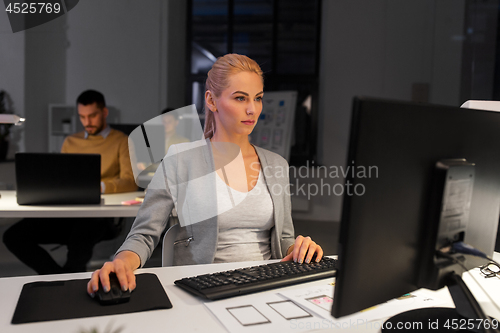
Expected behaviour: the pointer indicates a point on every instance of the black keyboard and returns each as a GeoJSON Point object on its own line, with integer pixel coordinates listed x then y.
{"type": "Point", "coordinates": [257, 278]}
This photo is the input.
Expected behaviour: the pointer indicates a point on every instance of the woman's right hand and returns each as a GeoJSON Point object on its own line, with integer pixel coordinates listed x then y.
{"type": "Point", "coordinates": [121, 268]}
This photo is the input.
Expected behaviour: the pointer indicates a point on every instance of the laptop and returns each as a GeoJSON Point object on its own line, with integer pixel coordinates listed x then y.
{"type": "Point", "coordinates": [58, 179]}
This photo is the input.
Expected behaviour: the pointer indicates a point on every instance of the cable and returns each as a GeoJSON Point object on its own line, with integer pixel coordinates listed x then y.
{"type": "Point", "coordinates": [464, 248]}
{"type": "Point", "coordinates": [461, 247]}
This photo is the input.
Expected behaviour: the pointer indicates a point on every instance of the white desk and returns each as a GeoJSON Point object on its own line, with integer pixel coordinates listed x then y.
{"type": "Point", "coordinates": [112, 207]}
{"type": "Point", "coordinates": [187, 315]}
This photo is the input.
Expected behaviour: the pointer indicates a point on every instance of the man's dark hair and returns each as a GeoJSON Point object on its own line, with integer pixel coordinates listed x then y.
{"type": "Point", "coordinates": [90, 97]}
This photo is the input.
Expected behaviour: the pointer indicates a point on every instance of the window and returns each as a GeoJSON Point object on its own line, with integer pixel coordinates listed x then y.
{"type": "Point", "coordinates": [281, 35]}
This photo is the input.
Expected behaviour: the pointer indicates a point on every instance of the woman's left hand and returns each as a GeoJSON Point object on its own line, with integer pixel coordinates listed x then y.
{"type": "Point", "coordinates": [304, 248]}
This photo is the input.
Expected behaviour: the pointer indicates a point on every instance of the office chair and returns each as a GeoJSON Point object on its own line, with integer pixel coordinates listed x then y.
{"type": "Point", "coordinates": [125, 128]}
{"type": "Point", "coordinates": [113, 228]}
{"type": "Point", "coordinates": [167, 258]}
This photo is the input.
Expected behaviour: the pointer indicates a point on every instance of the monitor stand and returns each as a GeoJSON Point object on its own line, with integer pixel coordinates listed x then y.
{"type": "Point", "coordinates": [467, 316]}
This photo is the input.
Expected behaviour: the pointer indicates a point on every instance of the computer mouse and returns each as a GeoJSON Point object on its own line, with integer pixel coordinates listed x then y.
{"type": "Point", "coordinates": [115, 295]}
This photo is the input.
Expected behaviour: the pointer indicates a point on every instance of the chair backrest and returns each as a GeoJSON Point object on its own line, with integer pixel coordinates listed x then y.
{"type": "Point", "coordinates": [125, 128]}
{"type": "Point", "coordinates": [167, 258]}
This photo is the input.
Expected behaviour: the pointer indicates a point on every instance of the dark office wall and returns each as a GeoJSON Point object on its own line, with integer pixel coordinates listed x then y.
{"type": "Point", "coordinates": [131, 51]}
{"type": "Point", "coordinates": [32, 71]}
{"type": "Point", "coordinates": [176, 35]}
{"type": "Point", "coordinates": [119, 47]}
{"type": "Point", "coordinates": [44, 79]}
{"type": "Point", "coordinates": [380, 48]}
{"type": "Point", "coordinates": [12, 72]}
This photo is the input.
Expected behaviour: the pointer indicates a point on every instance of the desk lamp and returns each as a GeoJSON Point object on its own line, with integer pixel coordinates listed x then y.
{"type": "Point", "coordinates": [11, 119]}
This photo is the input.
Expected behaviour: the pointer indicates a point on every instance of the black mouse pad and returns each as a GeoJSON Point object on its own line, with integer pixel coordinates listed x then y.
{"type": "Point", "coordinates": [56, 300]}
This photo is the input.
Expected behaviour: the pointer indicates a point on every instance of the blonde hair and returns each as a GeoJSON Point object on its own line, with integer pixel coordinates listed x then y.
{"type": "Point", "coordinates": [218, 80]}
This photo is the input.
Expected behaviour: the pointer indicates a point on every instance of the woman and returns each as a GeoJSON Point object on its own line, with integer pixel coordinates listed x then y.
{"type": "Point", "coordinates": [233, 103]}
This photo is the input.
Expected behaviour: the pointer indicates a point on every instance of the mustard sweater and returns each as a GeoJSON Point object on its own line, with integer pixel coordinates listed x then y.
{"type": "Point", "coordinates": [116, 171]}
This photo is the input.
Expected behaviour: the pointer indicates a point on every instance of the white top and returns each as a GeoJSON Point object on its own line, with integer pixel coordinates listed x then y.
{"type": "Point", "coordinates": [245, 224]}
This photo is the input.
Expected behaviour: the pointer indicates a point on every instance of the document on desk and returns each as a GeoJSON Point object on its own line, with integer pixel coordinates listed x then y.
{"type": "Point", "coordinates": [265, 312]}
{"type": "Point", "coordinates": [305, 309]}
{"type": "Point", "coordinates": [319, 300]}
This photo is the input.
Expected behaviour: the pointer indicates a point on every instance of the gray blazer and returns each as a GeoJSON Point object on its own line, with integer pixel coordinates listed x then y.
{"type": "Point", "coordinates": [196, 243]}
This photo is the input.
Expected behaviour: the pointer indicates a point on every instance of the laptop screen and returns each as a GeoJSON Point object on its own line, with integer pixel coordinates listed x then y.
{"type": "Point", "coordinates": [54, 178]}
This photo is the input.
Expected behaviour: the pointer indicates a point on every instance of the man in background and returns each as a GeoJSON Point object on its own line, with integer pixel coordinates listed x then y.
{"type": "Point", "coordinates": [170, 122]}
{"type": "Point", "coordinates": [99, 138]}
{"type": "Point", "coordinates": [79, 234]}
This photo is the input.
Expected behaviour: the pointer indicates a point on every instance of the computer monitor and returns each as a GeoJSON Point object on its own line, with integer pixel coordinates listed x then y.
{"type": "Point", "coordinates": [387, 220]}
